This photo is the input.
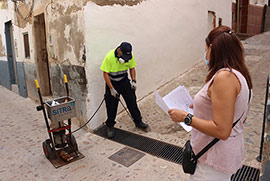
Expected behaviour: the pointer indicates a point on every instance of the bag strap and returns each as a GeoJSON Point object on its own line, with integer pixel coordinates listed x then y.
{"type": "Point", "coordinates": [205, 149]}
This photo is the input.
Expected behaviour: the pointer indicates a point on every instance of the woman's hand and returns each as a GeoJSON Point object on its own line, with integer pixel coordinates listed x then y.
{"type": "Point", "coordinates": [177, 115]}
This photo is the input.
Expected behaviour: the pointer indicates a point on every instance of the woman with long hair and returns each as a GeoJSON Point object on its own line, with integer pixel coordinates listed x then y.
{"type": "Point", "coordinates": [222, 101]}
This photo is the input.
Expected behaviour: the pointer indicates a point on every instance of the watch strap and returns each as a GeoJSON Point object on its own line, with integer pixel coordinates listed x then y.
{"type": "Point", "coordinates": [189, 116]}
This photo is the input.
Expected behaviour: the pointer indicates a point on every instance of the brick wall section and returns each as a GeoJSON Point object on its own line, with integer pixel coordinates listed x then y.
{"type": "Point", "coordinates": [255, 19]}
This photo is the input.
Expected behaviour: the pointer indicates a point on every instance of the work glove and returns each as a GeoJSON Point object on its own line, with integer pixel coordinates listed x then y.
{"type": "Point", "coordinates": [114, 93]}
{"type": "Point", "coordinates": [133, 85]}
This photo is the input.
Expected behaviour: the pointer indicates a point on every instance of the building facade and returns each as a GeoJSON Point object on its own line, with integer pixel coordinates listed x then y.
{"type": "Point", "coordinates": [45, 39]}
{"type": "Point", "coordinates": [248, 16]}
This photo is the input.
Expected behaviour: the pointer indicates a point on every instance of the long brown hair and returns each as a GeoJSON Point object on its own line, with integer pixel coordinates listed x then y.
{"type": "Point", "coordinates": [226, 52]}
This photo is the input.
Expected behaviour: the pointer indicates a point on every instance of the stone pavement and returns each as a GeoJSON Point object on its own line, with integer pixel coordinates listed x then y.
{"type": "Point", "coordinates": [22, 131]}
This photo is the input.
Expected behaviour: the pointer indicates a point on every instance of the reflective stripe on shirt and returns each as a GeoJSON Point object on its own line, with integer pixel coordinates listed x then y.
{"type": "Point", "coordinates": [117, 76]}
{"type": "Point", "coordinates": [118, 73]}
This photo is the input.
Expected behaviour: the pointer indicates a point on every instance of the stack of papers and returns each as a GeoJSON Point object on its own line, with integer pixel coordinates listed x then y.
{"type": "Point", "coordinates": [179, 98]}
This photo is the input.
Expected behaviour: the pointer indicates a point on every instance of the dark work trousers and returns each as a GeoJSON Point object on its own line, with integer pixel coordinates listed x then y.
{"type": "Point", "coordinates": [123, 87]}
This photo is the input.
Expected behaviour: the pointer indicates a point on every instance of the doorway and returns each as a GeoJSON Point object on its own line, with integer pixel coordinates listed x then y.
{"type": "Point", "coordinates": [41, 57]}
{"type": "Point", "coordinates": [211, 20]}
{"type": "Point", "coordinates": [12, 66]}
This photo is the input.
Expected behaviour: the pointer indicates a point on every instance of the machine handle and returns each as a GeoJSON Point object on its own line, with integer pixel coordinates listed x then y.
{"type": "Point", "coordinates": [37, 85]}
{"type": "Point", "coordinates": [65, 78]}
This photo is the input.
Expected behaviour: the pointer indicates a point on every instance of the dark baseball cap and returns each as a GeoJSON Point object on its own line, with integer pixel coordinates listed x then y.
{"type": "Point", "coordinates": [126, 49]}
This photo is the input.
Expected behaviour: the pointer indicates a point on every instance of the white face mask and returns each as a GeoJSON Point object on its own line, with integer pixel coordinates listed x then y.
{"type": "Point", "coordinates": [205, 59]}
{"type": "Point", "coordinates": [121, 60]}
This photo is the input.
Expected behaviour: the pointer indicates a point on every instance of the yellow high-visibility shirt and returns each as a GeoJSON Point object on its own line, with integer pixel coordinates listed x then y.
{"type": "Point", "coordinates": [111, 63]}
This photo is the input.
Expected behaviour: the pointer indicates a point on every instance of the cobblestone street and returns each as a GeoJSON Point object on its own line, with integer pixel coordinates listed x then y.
{"type": "Point", "coordinates": [22, 131]}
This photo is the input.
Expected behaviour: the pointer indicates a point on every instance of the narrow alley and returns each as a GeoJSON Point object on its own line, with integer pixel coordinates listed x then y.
{"type": "Point", "coordinates": [22, 131]}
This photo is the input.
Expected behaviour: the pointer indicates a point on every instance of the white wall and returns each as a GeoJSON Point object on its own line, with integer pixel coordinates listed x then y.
{"type": "Point", "coordinates": [8, 15]}
{"type": "Point", "coordinates": [4, 17]}
{"type": "Point", "coordinates": [259, 2]}
{"type": "Point", "coordinates": [167, 38]}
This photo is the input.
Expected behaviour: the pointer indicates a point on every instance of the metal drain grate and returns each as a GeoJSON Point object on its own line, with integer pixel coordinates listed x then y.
{"type": "Point", "coordinates": [154, 147]}
{"type": "Point", "coordinates": [167, 151]}
{"type": "Point", "coordinates": [246, 173]}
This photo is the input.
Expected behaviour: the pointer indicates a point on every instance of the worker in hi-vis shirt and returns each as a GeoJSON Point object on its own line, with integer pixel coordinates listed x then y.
{"type": "Point", "coordinates": [115, 68]}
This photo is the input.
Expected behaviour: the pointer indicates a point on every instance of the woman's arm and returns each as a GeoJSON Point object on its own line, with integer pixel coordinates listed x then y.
{"type": "Point", "coordinates": [223, 93]}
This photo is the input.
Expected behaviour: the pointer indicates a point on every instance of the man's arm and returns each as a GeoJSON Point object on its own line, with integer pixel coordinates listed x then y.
{"type": "Point", "coordinates": [132, 73]}
{"type": "Point", "coordinates": [107, 80]}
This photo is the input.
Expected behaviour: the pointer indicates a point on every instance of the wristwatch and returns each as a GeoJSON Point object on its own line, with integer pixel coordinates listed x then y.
{"type": "Point", "coordinates": [188, 119]}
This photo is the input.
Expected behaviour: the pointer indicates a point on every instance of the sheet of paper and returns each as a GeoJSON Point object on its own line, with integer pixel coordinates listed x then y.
{"type": "Point", "coordinates": [179, 98]}
{"type": "Point", "coordinates": [161, 103]}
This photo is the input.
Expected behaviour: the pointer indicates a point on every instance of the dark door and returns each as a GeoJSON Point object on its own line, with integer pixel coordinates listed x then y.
{"type": "Point", "coordinates": [243, 15]}
{"type": "Point", "coordinates": [11, 59]}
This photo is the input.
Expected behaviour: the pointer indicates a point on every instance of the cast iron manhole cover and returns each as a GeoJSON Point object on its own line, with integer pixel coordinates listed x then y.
{"type": "Point", "coordinates": [126, 156]}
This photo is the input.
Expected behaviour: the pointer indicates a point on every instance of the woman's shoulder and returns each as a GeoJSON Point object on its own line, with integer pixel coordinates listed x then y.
{"type": "Point", "coordinates": [225, 74]}
{"type": "Point", "coordinates": [227, 77]}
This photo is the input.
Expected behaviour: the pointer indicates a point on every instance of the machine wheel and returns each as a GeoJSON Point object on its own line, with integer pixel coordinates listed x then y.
{"type": "Point", "coordinates": [47, 149]}
{"type": "Point", "coordinates": [72, 143]}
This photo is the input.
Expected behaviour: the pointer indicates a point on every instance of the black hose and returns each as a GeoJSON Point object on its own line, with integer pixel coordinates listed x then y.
{"type": "Point", "coordinates": [97, 111]}
{"type": "Point", "coordinates": [90, 117]}
{"type": "Point", "coordinates": [125, 108]}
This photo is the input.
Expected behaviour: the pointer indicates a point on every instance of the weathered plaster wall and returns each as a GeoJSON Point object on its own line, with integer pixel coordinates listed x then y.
{"type": "Point", "coordinates": [30, 76]}
{"type": "Point", "coordinates": [66, 35]}
{"type": "Point", "coordinates": [2, 48]}
{"type": "Point", "coordinates": [77, 86]}
{"type": "Point", "coordinates": [113, 2]}
{"type": "Point", "coordinates": [3, 4]}
{"type": "Point", "coordinates": [3, 18]}
{"type": "Point", "coordinates": [64, 26]}
{"type": "Point", "coordinates": [167, 38]}
{"type": "Point", "coordinates": [66, 51]}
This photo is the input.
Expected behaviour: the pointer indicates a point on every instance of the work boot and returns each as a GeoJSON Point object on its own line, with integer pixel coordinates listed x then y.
{"type": "Point", "coordinates": [142, 125]}
{"type": "Point", "coordinates": [110, 132]}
